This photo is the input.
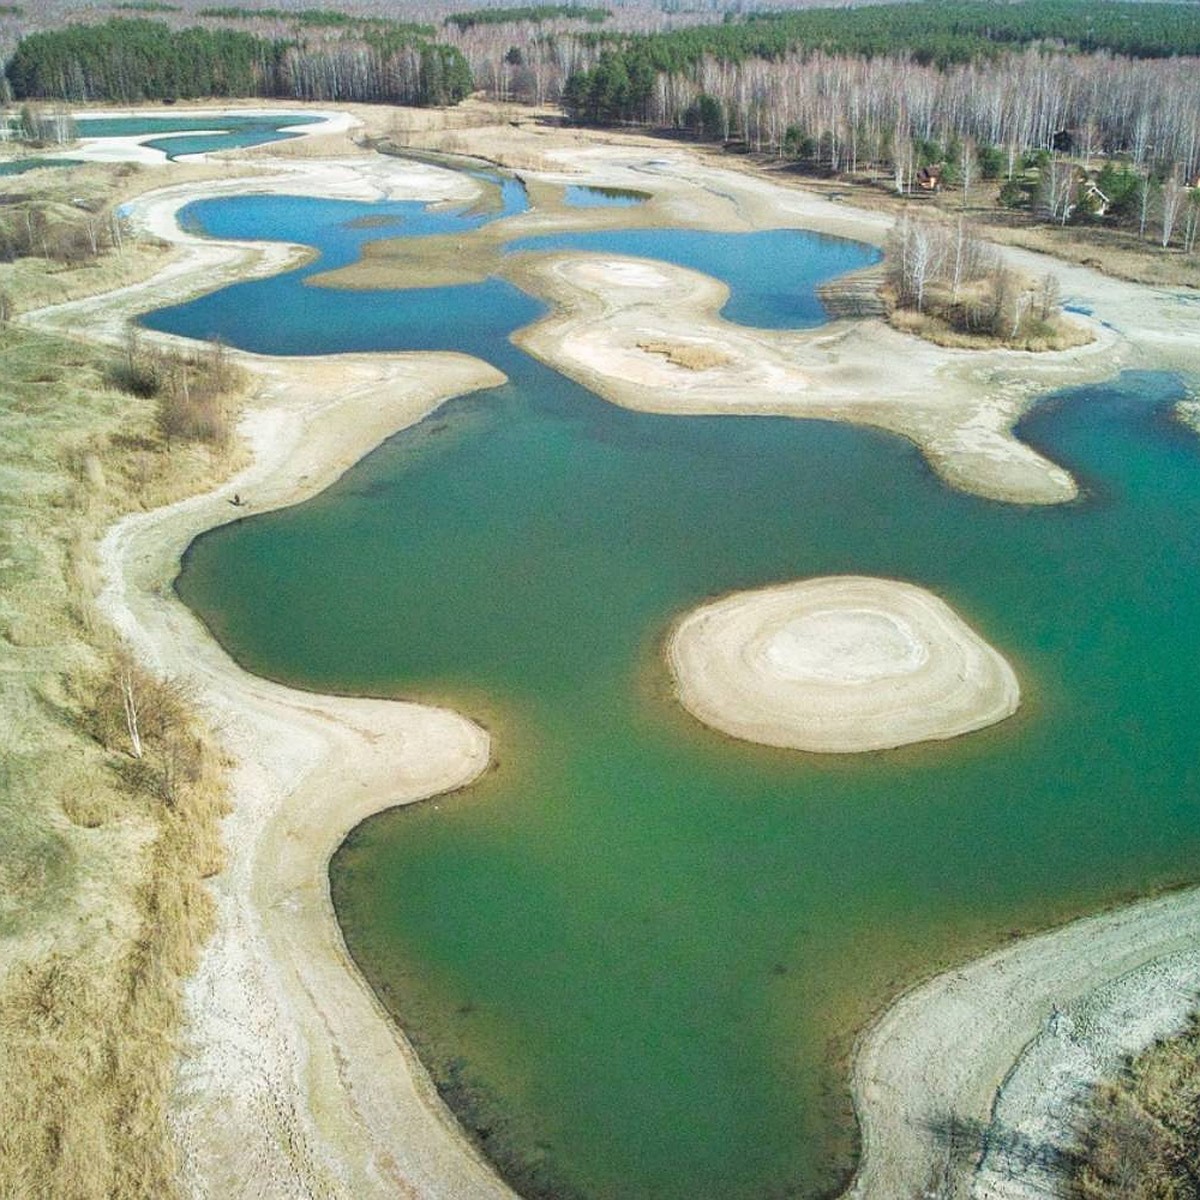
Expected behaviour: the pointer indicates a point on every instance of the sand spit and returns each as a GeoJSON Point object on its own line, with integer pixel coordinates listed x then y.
{"type": "Point", "coordinates": [204, 264]}
{"type": "Point", "coordinates": [838, 665]}
{"type": "Point", "coordinates": [957, 406]}
{"type": "Point", "coordinates": [131, 149]}
{"type": "Point", "coordinates": [294, 1081]}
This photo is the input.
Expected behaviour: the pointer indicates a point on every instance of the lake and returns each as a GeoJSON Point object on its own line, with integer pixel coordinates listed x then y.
{"type": "Point", "coordinates": [635, 954]}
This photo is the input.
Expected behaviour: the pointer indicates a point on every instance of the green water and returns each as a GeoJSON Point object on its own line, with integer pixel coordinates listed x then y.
{"type": "Point", "coordinates": [634, 955]}
{"type": "Point", "coordinates": [18, 166]}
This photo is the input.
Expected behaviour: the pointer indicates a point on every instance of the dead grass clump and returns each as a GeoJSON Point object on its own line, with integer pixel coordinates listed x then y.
{"type": "Point", "coordinates": [89, 1055]}
{"type": "Point", "coordinates": [692, 355]}
{"type": "Point", "coordinates": [1059, 333]}
{"type": "Point", "coordinates": [1142, 1140]}
{"type": "Point", "coordinates": [192, 391]}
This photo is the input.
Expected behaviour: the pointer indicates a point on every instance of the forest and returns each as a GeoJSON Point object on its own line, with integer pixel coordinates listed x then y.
{"type": "Point", "coordinates": [537, 14]}
{"type": "Point", "coordinates": [885, 89]}
{"type": "Point", "coordinates": [131, 60]}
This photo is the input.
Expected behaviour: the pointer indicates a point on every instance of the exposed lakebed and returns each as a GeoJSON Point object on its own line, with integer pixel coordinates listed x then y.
{"type": "Point", "coordinates": [634, 954]}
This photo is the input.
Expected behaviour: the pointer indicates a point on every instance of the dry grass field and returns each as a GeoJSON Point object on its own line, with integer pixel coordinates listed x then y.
{"type": "Point", "coordinates": [1144, 1142]}
{"type": "Point", "coordinates": [108, 836]}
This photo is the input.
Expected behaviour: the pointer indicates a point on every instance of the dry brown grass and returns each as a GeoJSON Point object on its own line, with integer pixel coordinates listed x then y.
{"type": "Point", "coordinates": [1142, 1141]}
{"type": "Point", "coordinates": [1058, 333]}
{"type": "Point", "coordinates": [691, 355]}
{"type": "Point", "coordinates": [1114, 252]}
{"type": "Point", "coordinates": [102, 902]}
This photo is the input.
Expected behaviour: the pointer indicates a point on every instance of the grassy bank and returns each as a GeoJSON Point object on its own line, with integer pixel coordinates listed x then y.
{"type": "Point", "coordinates": [1143, 1140]}
{"type": "Point", "coordinates": [112, 784]}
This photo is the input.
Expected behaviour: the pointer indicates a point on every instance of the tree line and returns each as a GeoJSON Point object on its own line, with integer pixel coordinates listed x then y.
{"type": "Point", "coordinates": [131, 60]}
{"type": "Point", "coordinates": [929, 33]}
{"type": "Point", "coordinates": [536, 14]}
{"type": "Point", "coordinates": [327, 18]}
{"type": "Point", "coordinates": [891, 113]}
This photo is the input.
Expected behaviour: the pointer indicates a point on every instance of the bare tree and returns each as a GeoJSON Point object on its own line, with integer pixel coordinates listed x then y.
{"type": "Point", "coordinates": [1191, 220]}
{"type": "Point", "coordinates": [918, 252]}
{"type": "Point", "coordinates": [966, 167]}
{"type": "Point", "coordinates": [1058, 189]}
{"type": "Point", "coordinates": [129, 701]}
{"type": "Point", "coordinates": [1049, 294]}
{"type": "Point", "coordinates": [1174, 195]}
{"type": "Point", "coordinates": [1145, 190]}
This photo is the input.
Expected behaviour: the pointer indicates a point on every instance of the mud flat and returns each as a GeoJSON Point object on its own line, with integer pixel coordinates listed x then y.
{"type": "Point", "coordinates": [838, 665]}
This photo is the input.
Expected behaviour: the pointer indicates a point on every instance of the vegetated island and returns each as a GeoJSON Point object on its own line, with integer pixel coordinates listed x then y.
{"type": "Point", "coordinates": [838, 665]}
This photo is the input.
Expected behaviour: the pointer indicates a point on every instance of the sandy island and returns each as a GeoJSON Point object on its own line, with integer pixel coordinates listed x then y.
{"type": "Point", "coordinates": [293, 1080]}
{"type": "Point", "coordinates": [838, 665]}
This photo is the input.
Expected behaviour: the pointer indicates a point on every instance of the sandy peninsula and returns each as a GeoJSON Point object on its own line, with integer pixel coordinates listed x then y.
{"type": "Point", "coordinates": [612, 318]}
{"type": "Point", "coordinates": [293, 1080]}
{"type": "Point", "coordinates": [838, 665]}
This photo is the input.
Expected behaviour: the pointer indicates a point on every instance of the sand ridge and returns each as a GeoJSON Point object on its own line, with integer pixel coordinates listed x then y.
{"type": "Point", "coordinates": [839, 664]}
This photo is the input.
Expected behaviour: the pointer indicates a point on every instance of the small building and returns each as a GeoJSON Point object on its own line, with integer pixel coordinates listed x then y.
{"type": "Point", "coordinates": [929, 178]}
{"type": "Point", "coordinates": [1098, 202]}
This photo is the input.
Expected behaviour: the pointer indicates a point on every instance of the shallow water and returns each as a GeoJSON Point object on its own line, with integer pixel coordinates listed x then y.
{"type": "Point", "coordinates": [635, 953]}
{"type": "Point", "coordinates": [235, 132]}
{"type": "Point", "coordinates": [586, 196]}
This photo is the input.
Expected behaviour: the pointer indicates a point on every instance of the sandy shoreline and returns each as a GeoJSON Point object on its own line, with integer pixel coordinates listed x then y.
{"type": "Point", "coordinates": [295, 1082]}
{"type": "Point", "coordinates": [838, 665]}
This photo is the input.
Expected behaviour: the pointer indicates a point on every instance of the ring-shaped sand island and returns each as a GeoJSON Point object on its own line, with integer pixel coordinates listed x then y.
{"type": "Point", "coordinates": [838, 665]}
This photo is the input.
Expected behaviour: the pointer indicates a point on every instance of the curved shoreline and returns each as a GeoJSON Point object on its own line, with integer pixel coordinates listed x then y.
{"type": "Point", "coordinates": [610, 314]}
{"type": "Point", "coordinates": [294, 1080]}
{"type": "Point", "coordinates": [320, 1118]}
{"type": "Point", "coordinates": [954, 1048]}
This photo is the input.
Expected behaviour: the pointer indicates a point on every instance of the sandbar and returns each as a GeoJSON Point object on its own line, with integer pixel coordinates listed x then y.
{"type": "Point", "coordinates": [838, 665]}
{"type": "Point", "coordinates": [957, 406]}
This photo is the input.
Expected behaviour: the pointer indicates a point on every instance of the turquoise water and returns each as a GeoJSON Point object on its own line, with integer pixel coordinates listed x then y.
{"type": "Point", "coordinates": [773, 275]}
{"type": "Point", "coordinates": [634, 955]}
{"type": "Point", "coordinates": [235, 132]}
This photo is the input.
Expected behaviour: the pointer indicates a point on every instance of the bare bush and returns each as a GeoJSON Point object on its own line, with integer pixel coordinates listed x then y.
{"type": "Point", "coordinates": [193, 391]}
{"type": "Point", "coordinates": [945, 283]}
{"type": "Point", "coordinates": [1142, 1137]}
